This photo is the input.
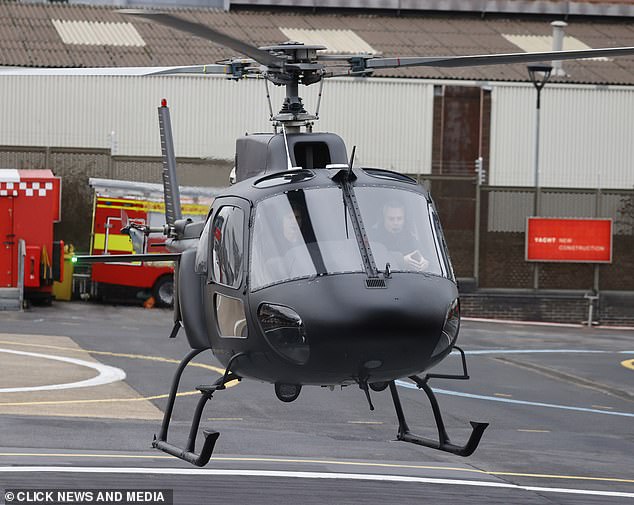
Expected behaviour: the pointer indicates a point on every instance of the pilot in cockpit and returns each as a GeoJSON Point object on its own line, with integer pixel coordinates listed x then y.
{"type": "Point", "coordinates": [283, 245]}
{"type": "Point", "coordinates": [291, 226]}
{"type": "Point", "coordinates": [394, 234]}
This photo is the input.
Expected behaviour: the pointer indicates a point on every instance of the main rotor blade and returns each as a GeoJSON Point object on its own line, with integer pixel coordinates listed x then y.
{"type": "Point", "coordinates": [208, 33]}
{"type": "Point", "coordinates": [127, 71]}
{"type": "Point", "coordinates": [194, 69]}
{"type": "Point", "coordinates": [495, 59]}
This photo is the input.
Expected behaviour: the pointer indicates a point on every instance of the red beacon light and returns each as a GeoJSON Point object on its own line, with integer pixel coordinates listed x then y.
{"type": "Point", "coordinates": [164, 102]}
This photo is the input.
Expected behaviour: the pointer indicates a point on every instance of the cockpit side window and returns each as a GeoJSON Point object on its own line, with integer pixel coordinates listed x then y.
{"type": "Point", "coordinates": [443, 246]}
{"type": "Point", "coordinates": [202, 252]}
{"type": "Point", "coordinates": [227, 239]}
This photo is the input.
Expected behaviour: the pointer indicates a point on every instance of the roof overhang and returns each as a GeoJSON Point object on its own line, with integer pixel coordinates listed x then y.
{"type": "Point", "coordinates": [617, 8]}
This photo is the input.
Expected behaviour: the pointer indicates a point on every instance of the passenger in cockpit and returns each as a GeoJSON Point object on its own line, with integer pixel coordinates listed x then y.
{"type": "Point", "coordinates": [291, 226]}
{"type": "Point", "coordinates": [394, 234]}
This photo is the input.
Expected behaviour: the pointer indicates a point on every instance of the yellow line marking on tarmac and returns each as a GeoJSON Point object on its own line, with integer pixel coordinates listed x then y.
{"type": "Point", "coordinates": [503, 395]}
{"type": "Point", "coordinates": [118, 355]}
{"type": "Point", "coordinates": [64, 455]}
{"type": "Point", "coordinates": [602, 407]}
{"type": "Point", "coordinates": [533, 431]}
{"type": "Point", "coordinates": [627, 364]}
{"type": "Point", "coordinates": [98, 400]}
{"type": "Point", "coordinates": [326, 462]}
{"type": "Point", "coordinates": [567, 477]}
{"type": "Point", "coordinates": [115, 354]}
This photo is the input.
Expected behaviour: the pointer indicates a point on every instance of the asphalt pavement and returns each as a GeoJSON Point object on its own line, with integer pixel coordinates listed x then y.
{"type": "Point", "coordinates": [559, 400]}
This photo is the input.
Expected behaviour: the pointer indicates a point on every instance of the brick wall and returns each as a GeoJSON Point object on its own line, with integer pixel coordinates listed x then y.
{"type": "Point", "coordinates": [614, 308]}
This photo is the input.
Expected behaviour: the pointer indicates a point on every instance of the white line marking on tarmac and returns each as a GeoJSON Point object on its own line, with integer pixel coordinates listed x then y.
{"type": "Point", "coordinates": [523, 402]}
{"type": "Point", "coordinates": [105, 374]}
{"type": "Point", "coordinates": [535, 351]}
{"type": "Point", "coordinates": [307, 475]}
{"type": "Point", "coordinates": [544, 323]}
{"type": "Point", "coordinates": [409, 385]}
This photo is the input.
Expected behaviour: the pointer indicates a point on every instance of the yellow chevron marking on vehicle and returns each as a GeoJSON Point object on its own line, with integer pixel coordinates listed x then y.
{"type": "Point", "coordinates": [144, 206]}
{"type": "Point", "coordinates": [118, 243]}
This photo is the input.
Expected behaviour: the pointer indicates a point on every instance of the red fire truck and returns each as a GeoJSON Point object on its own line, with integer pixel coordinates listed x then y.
{"type": "Point", "coordinates": [29, 258]}
{"type": "Point", "coordinates": [117, 203]}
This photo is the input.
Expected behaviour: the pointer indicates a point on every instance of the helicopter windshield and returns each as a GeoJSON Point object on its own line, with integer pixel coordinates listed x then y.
{"type": "Point", "coordinates": [306, 233]}
{"type": "Point", "coordinates": [302, 233]}
{"type": "Point", "coordinates": [399, 228]}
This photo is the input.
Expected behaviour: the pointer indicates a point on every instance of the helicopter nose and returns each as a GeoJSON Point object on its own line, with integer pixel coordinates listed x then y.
{"type": "Point", "coordinates": [335, 326]}
{"type": "Point", "coordinates": [402, 330]}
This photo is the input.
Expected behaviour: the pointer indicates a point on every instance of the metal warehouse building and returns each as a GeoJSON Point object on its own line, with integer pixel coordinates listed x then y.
{"type": "Point", "coordinates": [585, 136]}
{"type": "Point", "coordinates": [428, 122]}
{"type": "Point", "coordinates": [590, 104]}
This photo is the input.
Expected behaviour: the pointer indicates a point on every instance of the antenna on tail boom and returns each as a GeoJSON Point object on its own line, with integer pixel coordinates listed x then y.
{"type": "Point", "coordinates": [170, 183]}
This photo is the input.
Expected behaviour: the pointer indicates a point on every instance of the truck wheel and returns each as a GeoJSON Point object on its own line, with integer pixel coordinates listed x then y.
{"type": "Point", "coordinates": [163, 291]}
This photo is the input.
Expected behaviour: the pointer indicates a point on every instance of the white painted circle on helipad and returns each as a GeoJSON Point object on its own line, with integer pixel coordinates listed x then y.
{"type": "Point", "coordinates": [105, 374]}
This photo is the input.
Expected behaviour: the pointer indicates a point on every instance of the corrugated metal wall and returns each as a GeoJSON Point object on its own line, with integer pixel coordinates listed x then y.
{"type": "Point", "coordinates": [389, 120]}
{"type": "Point", "coordinates": [586, 134]}
{"type": "Point", "coordinates": [586, 138]}
{"type": "Point", "coordinates": [508, 208]}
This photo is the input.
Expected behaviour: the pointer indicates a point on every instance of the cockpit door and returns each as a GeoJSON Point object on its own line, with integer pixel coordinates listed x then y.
{"type": "Point", "coordinates": [227, 268]}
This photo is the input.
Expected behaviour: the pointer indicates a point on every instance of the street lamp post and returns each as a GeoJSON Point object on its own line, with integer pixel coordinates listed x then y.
{"type": "Point", "coordinates": [539, 75]}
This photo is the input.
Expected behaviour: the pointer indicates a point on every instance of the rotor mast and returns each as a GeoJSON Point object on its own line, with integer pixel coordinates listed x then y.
{"type": "Point", "coordinates": [299, 65]}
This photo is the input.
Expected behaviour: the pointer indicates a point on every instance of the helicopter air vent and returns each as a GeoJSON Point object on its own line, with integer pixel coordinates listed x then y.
{"type": "Point", "coordinates": [375, 283]}
{"type": "Point", "coordinates": [287, 177]}
{"type": "Point", "coordinates": [389, 175]}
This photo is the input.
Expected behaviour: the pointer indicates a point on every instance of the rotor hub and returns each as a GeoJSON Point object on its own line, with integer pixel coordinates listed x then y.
{"type": "Point", "coordinates": [295, 52]}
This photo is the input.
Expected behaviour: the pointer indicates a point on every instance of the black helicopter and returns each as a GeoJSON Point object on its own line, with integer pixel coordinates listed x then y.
{"type": "Point", "coordinates": [310, 270]}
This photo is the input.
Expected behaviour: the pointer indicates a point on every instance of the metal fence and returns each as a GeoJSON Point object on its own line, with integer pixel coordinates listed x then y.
{"type": "Point", "coordinates": [485, 228]}
{"type": "Point", "coordinates": [484, 225]}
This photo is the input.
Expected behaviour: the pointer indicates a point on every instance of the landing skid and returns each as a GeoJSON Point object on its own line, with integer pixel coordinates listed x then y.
{"type": "Point", "coordinates": [443, 443]}
{"type": "Point", "coordinates": [188, 453]}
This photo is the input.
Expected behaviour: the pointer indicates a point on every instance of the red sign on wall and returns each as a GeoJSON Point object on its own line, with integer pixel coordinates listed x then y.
{"type": "Point", "coordinates": [569, 240]}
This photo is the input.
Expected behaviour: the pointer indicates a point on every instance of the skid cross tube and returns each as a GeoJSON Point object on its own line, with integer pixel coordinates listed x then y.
{"type": "Point", "coordinates": [443, 443]}
{"type": "Point", "coordinates": [188, 453]}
